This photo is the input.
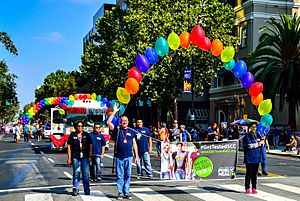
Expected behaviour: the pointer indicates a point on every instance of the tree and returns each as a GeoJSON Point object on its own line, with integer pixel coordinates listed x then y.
{"type": "Point", "coordinates": [8, 43]}
{"type": "Point", "coordinates": [276, 62]}
{"type": "Point", "coordinates": [122, 34]}
{"type": "Point", "coordinates": [57, 84]}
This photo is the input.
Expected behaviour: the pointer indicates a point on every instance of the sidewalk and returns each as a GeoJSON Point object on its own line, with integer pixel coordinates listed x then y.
{"type": "Point", "coordinates": [278, 151]}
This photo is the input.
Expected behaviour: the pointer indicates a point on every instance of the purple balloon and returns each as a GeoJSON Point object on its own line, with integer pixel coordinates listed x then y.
{"type": "Point", "coordinates": [142, 63]}
{"type": "Point", "coordinates": [151, 55]}
{"type": "Point", "coordinates": [240, 69]}
{"type": "Point", "coordinates": [247, 80]}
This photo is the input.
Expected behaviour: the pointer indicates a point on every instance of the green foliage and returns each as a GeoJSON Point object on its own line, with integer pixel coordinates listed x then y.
{"type": "Point", "coordinates": [276, 62]}
{"type": "Point", "coordinates": [124, 34]}
{"type": "Point", "coordinates": [8, 101]}
{"type": "Point", "coordinates": [8, 43]}
{"type": "Point", "coordinates": [57, 84]}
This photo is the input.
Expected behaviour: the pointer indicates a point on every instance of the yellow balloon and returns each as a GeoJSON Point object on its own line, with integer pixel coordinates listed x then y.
{"type": "Point", "coordinates": [123, 95]}
{"type": "Point", "coordinates": [173, 41]}
{"type": "Point", "coordinates": [265, 107]}
{"type": "Point", "coordinates": [71, 97]}
{"type": "Point", "coordinates": [227, 54]}
{"type": "Point", "coordinates": [94, 96]}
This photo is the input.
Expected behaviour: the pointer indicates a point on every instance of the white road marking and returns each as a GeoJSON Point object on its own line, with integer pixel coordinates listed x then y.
{"type": "Point", "coordinates": [204, 194]}
{"type": "Point", "coordinates": [19, 161]}
{"type": "Point", "coordinates": [51, 160]}
{"type": "Point", "coordinates": [260, 194]}
{"type": "Point", "coordinates": [38, 197]}
{"type": "Point", "coordinates": [149, 194]}
{"type": "Point", "coordinates": [32, 143]}
{"type": "Point", "coordinates": [42, 152]}
{"type": "Point", "coordinates": [95, 196]}
{"type": "Point", "coordinates": [68, 175]}
{"type": "Point", "coordinates": [284, 187]}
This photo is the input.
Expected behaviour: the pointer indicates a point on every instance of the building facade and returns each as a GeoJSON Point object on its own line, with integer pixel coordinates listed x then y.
{"type": "Point", "coordinates": [228, 99]}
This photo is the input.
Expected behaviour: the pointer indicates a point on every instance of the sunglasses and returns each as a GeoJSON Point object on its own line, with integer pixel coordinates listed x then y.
{"type": "Point", "coordinates": [138, 122]}
{"type": "Point", "coordinates": [79, 125]}
{"type": "Point", "coordinates": [97, 127]}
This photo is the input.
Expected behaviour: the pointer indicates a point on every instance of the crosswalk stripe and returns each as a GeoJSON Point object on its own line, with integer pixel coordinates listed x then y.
{"type": "Point", "coordinates": [95, 196]}
{"type": "Point", "coordinates": [38, 197]}
{"type": "Point", "coordinates": [149, 194]}
{"type": "Point", "coordinates": [261, 194]}
{"type": "Point", "coordinates": [204, 195]}
{"type": "Point", "coordinates": [284, 187]}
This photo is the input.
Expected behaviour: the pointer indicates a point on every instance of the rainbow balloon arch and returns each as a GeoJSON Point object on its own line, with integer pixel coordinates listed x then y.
{"type": "Point", "coordinates": [161, 48]}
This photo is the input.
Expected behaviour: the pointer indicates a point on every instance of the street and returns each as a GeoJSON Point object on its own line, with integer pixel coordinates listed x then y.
{"type": "Point", "coordinates": [30, 171]}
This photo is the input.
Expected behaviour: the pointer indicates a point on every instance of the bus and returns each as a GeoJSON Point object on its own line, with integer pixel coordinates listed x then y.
{"type": "Point", "coordinates": [87, 111]}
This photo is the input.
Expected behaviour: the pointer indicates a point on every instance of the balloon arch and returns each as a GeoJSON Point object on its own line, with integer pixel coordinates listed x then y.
{"type": "Point", "coordinates": [161, 48]}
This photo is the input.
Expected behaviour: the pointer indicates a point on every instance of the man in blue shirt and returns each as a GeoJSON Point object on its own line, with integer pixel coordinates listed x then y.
{"type": "Point", "coordinates": [124, 138]}
{"type": "Point", "coordinates": [98, 143]}
{"type": "Point", "coordinates": [144, 144]}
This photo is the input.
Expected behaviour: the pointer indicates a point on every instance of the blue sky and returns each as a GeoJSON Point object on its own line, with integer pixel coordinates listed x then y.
{"type": "Point", "coordinates": [48, 35]}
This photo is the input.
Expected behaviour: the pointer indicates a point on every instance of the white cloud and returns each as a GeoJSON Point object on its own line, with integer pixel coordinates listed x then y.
{"type": "Point", "coordinates": [51, 37]}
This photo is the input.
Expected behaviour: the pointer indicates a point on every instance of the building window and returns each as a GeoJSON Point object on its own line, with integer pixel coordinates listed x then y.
{"type": "Point", "coordinates": [243, 37]}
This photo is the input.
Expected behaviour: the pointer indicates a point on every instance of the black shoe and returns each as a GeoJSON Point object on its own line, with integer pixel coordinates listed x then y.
{"type": "Point", "coordinates": [75, 192]}
{"type": "Point", "coordinates": [265, 173]}
{"type": "Point", "coordinates": [259, 174]}
{"type": "Point", "coordinates": [87, 193]}
{"type": "Point", "coordinates": [119, 197]}
{"type": "Point", "coordinates": [128, 197]}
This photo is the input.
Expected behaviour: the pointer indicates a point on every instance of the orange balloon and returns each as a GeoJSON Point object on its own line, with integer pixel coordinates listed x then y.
{"type": "Point", "coordinates": [132, 86]}
{"type": "Point", "coordinates": [76, 97]}
{"type": "Point", "coordinates": [216, 47]}
{"type": "Point", "coordinates": [184, 39]}
{"type": "Point", "coordinates": [257, 100]}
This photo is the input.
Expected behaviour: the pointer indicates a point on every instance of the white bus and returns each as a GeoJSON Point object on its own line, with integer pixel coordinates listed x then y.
{"type": "Point", "coordinates": [88, 112]}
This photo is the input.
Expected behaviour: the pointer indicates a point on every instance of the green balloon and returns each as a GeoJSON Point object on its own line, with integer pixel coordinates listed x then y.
{"type": "Point", "coordinates": [173, 41]}
{"type": "Point", "coordinates": [265, 107]}
{"type": "Point", "coordinates": [266, 120]}
{"type": "Point", "coordinates": [229, 65]}
{"type": "Point", "coordinates": [161, 46]}
{"type": "Point", "coordinates": [227, 54]}
{"type": "Point", "coordinates": [203, 167]}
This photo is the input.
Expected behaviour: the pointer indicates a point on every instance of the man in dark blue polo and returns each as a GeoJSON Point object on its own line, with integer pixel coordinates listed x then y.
{"type": "Point", "coordinates": [98, 143]}
{"type": "Point", "coordinates": [144, 143]}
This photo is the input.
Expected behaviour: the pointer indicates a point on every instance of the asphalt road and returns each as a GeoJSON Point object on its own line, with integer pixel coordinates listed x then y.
{"type": "Point", "coordinates": [30, 171]}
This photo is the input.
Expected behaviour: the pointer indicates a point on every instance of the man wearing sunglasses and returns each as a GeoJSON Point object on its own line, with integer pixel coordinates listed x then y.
{"type": "Point", "coordinates": [125, 143]}
{"type": "Point", "coordinates": [79, 155]}
{"type": "Point", "coordinates": [98, 142]}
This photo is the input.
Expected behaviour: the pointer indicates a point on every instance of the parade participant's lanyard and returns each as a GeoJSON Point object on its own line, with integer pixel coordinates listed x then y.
{"type": "Point", "coordinates": [80, 145]}
{"type": "Point", "coordinates": [125, 136]}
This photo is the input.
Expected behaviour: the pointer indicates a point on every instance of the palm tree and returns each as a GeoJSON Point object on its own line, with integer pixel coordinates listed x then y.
{"type": "Point", "coordinates": [8, 43]}
{"type": "Point", "coordinates": [276, 62]}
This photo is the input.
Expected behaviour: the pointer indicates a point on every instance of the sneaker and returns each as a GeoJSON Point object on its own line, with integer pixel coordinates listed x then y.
{"type": "Point", "coordinates": [101, 164]}
{"type": "Point", "coordinates": [254, 191]}
{"type": "Point", "coordinates": [119, 197]}
{"type": "Point", "coordinates": [265, 173]}
{"type": "Point", "coordinates": [138, 177]}
{"type": "Point", "coordinates": [99, 179]}
{"type": "Point", "coordinates": [128, 197]}
{"type": "Point", "coordinates": [75, 192]}
{"type": "Point", "coordinates": [248, 191]}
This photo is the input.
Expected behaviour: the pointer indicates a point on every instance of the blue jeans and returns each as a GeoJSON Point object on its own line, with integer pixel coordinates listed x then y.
{"type": "Point", "coordinates": [146, 158]}
{"type": "Point", "coordinates": [123, 174]}
{"type": "Point", "coordinates": [95, 163]}
{"type": "Point", "coordinates": [165, 175]}
{"type": "Point", "coordinates": [264, 159]}
{"type": "Point", "coordinates": [180, 174]}
{"type": "Point", "coordinates": [81, 165]}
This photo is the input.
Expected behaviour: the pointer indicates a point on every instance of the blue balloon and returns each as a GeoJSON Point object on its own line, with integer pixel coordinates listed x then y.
{"type": "Point", "coordinates": [260, 128]}
{"type": "Point", "coordinates": [247, 80]}
{"type": "Point", "coordinates": [151, 55]}
{"type": "Point", "coordinates": [267, 130]}
{"type": "Point", "coordinates": [142, 63]}
{"type": "Point", "coordinates": [107, 103]}
{"type": "Point", "coordinates": [161, 46]}
{"type": "Point", "coordinates": [266, 120]}
{"type": "Point", "coordinates": [104, 100]}
{"type": "Point", "coordinates": [240, 69]}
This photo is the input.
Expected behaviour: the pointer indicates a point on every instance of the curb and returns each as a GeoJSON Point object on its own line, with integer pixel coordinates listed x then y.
{"type": "Point", "coordinates": [288, 155]}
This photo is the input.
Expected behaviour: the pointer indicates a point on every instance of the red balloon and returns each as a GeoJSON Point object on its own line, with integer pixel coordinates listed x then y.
{"type": "Point", "coordinates": [135, 73]}
{"type": "Point", "coordinates": [64, 106]}
{"type": "Point", "coordinates": [205, 46]}
{"type": "Point", "coordinates": [197, 36]}
{"type": "Point", "coordinates": [256, 88]}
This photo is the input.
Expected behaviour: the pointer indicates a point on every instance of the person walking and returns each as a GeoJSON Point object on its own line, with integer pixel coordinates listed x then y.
{"type": "Point", "coordinates": [253, 144]}
{"type": "Point", "coordinates": [98, 143]}
{"type": "Point", "coordinates": [125, 142]}
{"type": "Point", "coordinates": [144, 144]}
{"type": "Point", "coordinates": [79, 155]}
{"type": "Point", "coordinates": [26, 132]}
{"type": "Point", "coordinates": [40, 132]}
{"type": "Point", "coordinates": [184, 135]}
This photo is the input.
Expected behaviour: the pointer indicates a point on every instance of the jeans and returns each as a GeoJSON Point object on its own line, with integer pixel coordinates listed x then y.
{"type": "Point", "coordinates": [81, 165]}
{"type": "Point", "coordinates": [123, 174]}
{"type": "Point", "coordinates": [146, 158]}
{"type": "Point", "coordinates": [180, 174]}
{"type": "Point", "coordinates": [165, 175]}
{"type": "Point", "coordinates": [95, 164]}
{"type": "Point", "coordinates": [251, 174]}
{"type": "Point", "coordinates": [264, 160]}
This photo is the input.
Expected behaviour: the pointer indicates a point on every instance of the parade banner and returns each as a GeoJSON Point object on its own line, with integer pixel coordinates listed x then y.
{"type": "Point", "coordinates": [199, 160]}
{"type": "Point", "coordinates": [187, 85]}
